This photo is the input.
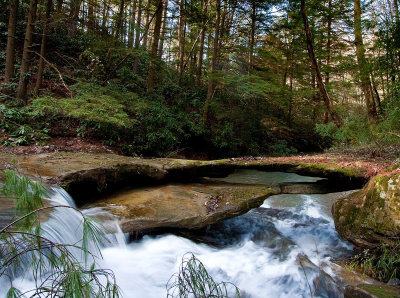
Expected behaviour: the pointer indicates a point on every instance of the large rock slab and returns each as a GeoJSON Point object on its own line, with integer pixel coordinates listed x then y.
{"type": "Point", "coordinates": [88, 175]}
{"type": "Point", "coordinates": [371, 216]}
{"type": "Point", "coordinates": [189, 206]}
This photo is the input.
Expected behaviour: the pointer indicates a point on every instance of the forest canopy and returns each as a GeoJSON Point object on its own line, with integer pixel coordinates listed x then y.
{"type": "Point", "coordinates": [205, 78]}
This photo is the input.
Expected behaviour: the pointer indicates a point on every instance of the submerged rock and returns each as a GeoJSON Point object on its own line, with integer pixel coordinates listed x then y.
{"type": "Point", "coordinates": [371, 216]}
{"type": "Point", "coordinates": [182, 206]}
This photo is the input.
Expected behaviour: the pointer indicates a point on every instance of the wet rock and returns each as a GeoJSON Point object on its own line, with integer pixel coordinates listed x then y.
{"type": "Point", "coordinates": [182, 206]}
{"type": "Point", "coordinates": [371, 216]}
{"type": "Point", "coordinates": [319, 187]}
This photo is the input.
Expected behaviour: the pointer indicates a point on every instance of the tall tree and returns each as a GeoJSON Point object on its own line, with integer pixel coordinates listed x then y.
{"type": "Point", "coordinates": [27, 53]}
{"type": "Point", "coordinates": [10, 50]}
{"type": "Point", "coordinates": [163, 31]}
{"type": "Point", "coordinates": [252, 34]}
{"type": "Point", "coordinates": [154, 47]}
{"type": "Point", "coordinates": [362, 63]}
{"type": "Point", "coordinates": [199, 64]}
{"type": "Point", "coordinates": [120, 21]}
{"type": "Point", "coordinates": [181, 35]}
{"type": "Point", "coordinates": [212, 84]}
{"type": "Point", "coordinates": [147, 24]}
{"type": "Point", "coordinates": [314, 63]}
{"type": "Point", "coordinates": [132, 24]}
{"type": "Point", "coordinates": [137, 38]}
{"type": "Point", "coordinates": [46, 21]}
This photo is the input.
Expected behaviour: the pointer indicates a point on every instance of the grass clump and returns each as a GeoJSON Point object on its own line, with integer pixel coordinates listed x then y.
{"type": "Point", "coordinates": [382, 263]}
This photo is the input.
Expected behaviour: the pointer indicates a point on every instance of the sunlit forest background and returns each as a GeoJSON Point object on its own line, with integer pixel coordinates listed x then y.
{"type": "Point", "coordinates": [201, 78]}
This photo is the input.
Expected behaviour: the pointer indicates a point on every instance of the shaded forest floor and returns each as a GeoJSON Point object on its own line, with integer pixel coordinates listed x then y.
{"type": "Point", "coordinates": [374, 159]}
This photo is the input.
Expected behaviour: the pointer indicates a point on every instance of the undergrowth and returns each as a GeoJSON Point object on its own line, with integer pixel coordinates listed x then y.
{"type": "Point", "coordinates": [382, 263]}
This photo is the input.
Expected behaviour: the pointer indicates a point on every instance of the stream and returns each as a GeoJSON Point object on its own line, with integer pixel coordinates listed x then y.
{"type": "Point", "coordinates": [285, 248]}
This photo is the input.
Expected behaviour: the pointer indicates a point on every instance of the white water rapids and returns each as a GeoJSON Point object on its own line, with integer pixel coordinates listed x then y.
{"type": "Point", "coordinates": [278, 250]}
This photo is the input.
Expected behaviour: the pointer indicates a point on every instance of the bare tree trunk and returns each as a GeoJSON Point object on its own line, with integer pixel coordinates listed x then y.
{"type": "Point", "coordinates": [147, 25]}
{"type": "Point", "coordinates": [106, 9]}
{"type": "Point", "coordinates": [26, 55]}
{"type": "Point", "coordinates": [91, 25]}
{"type": "Point", "coordinates": [252, 33]}
{"type": "Point", "coordinates": [10, 51]}
{"type": "Point", "coordinates": [362, 64]}
{"type": "Point", "coordinates": [163, 31]}
{"type": "Point", "coordinates": [132, 25]}
{"type": "Point", "coordinates": [181, 38]}
{"type": "Point", "coordinates": [120, 21]}
{"type": "Point", "coordinates": [201, 46]}
{"type": "Point", "coordinates": [43, 47]}
{"type": "Point", "coordinates": [212, 82]}
{"type": "Point", "coordinates": [137, 38]}
{"type": "Point", "coordinates": [156, 36]}
{"type": "Point", "coordinates": [322, 88]}
{"type": "Point", "coordinates": [328, 43]}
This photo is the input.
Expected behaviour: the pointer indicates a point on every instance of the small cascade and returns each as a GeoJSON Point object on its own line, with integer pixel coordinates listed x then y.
{"type": "Point", "coordinates": [278, 250]}
{"type": "Point", "coordinates": [65, 225]}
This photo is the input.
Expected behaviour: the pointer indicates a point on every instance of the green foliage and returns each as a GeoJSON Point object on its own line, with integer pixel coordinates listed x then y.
{"type": "Point", "coordinates": [282, 148]}
{"type": "Point", "coordinates": [382, 263]}
{"type": "Point", "coordinates": [193, 280]}
{"type": "Point", "coordinates": [158, 129]}
{"type": "Point", "coordinates": [56, 270]}
{"type": "Point", "coordinates": [17, 129]}
{"type": "Point", "coordinates": [358, 130]}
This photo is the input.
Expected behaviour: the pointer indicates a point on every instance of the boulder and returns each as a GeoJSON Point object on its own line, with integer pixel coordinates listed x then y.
{"type": "Point", "coordinates": [371, 216]}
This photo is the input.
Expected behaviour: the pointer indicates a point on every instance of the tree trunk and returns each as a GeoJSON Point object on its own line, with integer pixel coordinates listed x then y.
{"type": "Point", "coordinates": [120, 21]}
{"type": "Point", "coordinates": [106, 9]}
{"type": "Point", "coordinates": [366, 85]}
{"type": "Point", "coordinates": [199, 65]}
{"type": "Point", "coordinates": [43, 47]}
{"type": "Point", "coordinates": [10, 51]}
{"type": "Point", "coordinates": [147, 25]}
{"type": "Point", "coordinates": [137, 38]}
{"type": "Point", "coordinates": [181, 38]}
{"type": "Point", "coordinates": [156, 36]}
{"type": "Point", "coordinates": [252, 33]}
{"type": "Point", "coordinates": [132, 25]}
{"type": "Point", "coordinates": [212, 82]}
{"type": "Point", "coordinates": [328, 43]}
{"type": "Point", "coordinates": [91, 25]}
{"type": "Point", "coordinates": [26, 55]}
{"type": "Point", "coordinates": [163, 31]}
{"type": "Point", "coordinates": [74, 14]}
{"type": "Point", "coordinates": [322, 88]}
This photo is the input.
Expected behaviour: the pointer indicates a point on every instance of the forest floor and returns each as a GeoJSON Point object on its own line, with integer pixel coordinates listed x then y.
{"type": "Point", "coordinates": [374, 159]}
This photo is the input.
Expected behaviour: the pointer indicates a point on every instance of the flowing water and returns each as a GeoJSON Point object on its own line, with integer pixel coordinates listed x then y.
{"type": "Point", "coordinates": [282, 249]}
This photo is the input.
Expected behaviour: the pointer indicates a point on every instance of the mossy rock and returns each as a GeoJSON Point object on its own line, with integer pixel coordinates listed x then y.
{"type": "Point", "coordinates": [371, 216]}
{"type": "Point", "coordinates": [371, 291]}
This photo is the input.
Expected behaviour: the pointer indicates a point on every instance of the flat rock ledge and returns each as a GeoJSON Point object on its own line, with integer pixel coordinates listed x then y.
{"type": "Point", "coordinates": [188, 206]}
{"type": "Point", "coordinates": [371, 216]}
{"type": "Point", "coordinates": [88, 175]}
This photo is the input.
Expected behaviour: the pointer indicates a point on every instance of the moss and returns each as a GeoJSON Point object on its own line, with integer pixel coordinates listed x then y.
{"type": "Point", "coordinates": [381, 291]}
